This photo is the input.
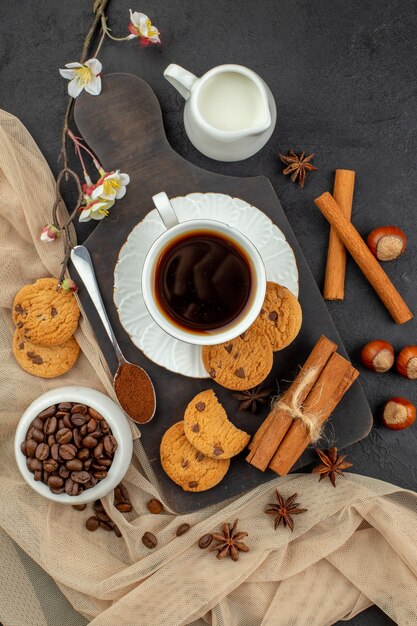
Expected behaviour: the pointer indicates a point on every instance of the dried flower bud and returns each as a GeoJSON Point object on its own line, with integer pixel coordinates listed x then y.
{"type": "Point", "coordinates": [49, 233]}
{"type": "Point", "coordinates": [69, 285]}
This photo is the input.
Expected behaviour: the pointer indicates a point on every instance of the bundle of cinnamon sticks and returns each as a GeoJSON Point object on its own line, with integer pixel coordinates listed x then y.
{"type": "Point", "coordinates": [301, 412]}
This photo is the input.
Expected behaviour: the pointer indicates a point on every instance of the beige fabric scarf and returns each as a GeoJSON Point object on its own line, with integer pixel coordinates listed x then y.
{"type": "Point", "coordinates": [356, 546]}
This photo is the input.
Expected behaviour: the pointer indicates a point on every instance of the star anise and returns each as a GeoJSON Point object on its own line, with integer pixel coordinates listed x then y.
{"type": "Point", "coordinates": [250, 398]}
{"type": "Point", "coordinates": [229, 542]}
{"type": "Point", "coordinates": [282, 510]}
{"type": "Point", "coordinates": [331, 465]}
{"type": "Point", "coordinates": [297, 166]}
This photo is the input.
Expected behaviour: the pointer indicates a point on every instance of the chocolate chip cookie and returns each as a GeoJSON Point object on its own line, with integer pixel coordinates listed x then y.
{"type": "Point", "coordinates": [280, 317]}
{"type": "Point", "coordinates": [43, 315]}
{"type": "Point", "coordinates": [186, 466]}
{"type": "Point", "coordinates": [241, 363]}
{"type": "Point", "coordinates": [208, 428]}
{"type": "Point", "coordinates": [44, 361]}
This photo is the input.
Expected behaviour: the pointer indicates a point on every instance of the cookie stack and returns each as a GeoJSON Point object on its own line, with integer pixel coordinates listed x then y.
{"type": "Point", "coordinates": [196, 452]}
{"type": "Point", "coordinates": [45, 320]}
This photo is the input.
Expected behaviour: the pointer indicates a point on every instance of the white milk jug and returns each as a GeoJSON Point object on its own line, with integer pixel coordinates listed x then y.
{"type": "Point", "coordinates": [229, 112]}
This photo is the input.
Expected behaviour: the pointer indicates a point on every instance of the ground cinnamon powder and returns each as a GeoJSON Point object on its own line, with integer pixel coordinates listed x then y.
{"type": "Point", "coordinates": [135, 393]}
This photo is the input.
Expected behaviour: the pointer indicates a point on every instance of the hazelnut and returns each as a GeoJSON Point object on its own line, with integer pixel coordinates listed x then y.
{"type": "Point", "coordinates": [378, 356]}
{"type": "Point", "coordinates": [399, 413]}
{"type": "Point", "coordinates": [387, 242]}
{"type": "Point", "coordinates": [406, 363]}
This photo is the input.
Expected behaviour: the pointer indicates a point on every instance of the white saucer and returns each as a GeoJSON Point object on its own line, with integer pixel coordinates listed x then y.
{"type": "Point", "coordinates": [156, 344]}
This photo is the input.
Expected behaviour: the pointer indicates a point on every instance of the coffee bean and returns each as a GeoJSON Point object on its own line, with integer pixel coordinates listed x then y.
{"type": "Point", "coordinates": [49, 412]}
{"type": "Point", "coordinates": [57, 491]}
{"type": "Point", "coordinates": [23, 448]}
{"type": "Point", "coordinates": [68, 451]}
{"type": "Point", "coordinates": [37, 475]}
{"type": "Point", "coordinates": [92, 524]}
{"type": "Point", "coordinates": [91, 483]}
{"type": "Point", "coordinates": [50, 465]}
{"type": "Point", "coordinates": [97, 416]}
{"type": "Point", "coordinates": [50, 425]}
{"type": "Point", "coordinates": [29, 433]}
{"type": "Point", "coordinates": [79, 507]}
{"type": "Point", "coordinates": [34, 465]}
{"type": "Point", "coordinates": [155, 506]}
{"type": "Point", "coordinates": [106, 526]}
{"type": "Point", "coordinates": [60, 423]}
{"type": "Point", "coordinates": [78, 419]}
{"type": "Point", "coordinates": [98, 505]}
{"type": "Point", "coordinates": [64, 472]}
{"type": "Point", "coordinates": [105, 428]}
{"type": "Point", "coordinates": [38, 435]}
{"type": "Point", "coordinates": [31, 446]}
{"type": "Point", "coordinates": [104, 462]}
{"type": "Point", "coordinates": [80, 477]}
{"type": "Point", "coordinates": [71, 487]}
{"type": "Point", "coordinates": [78, 440]}
{"type": "Point", "coordinates": [149, 540]}
{"type": "Point", "coordinates": [116, 531]}
{"type": "Point", "coordinates": [110, 445]}
{"type": "Point", "coordinates": [96, 433]}
{"type": "Point", "coordinates": [55, 451]}
{"type": "Point", "coordinates": [83, 430]}
{"type": "Point", "coordinates": [56, 482]}
{"type": "Point", "coordinates": [123, 492]}
{"type": "Point", "coordinates": [98, 450]}
{"type": "Point", "coordinates": [79, 408]}
{"type": "Point", "coordinates": [42, 451]}
{"type": "Point", "coordinates": [100, 475]}
{"type": "Point", "coordinates": [87, 463]}
{"type": "Point", "coordinates": [124, 507]}
{"type": "Point", "coordinates": [91, 425]}
{"type": "Point", "coordinates": [64, 435]}
{"type": "Point", "coordinates": [64, 406]}
{"type": "Point", "coordinates": [38, 423]}
{"type": "Point", "coordinates": [84, 454]}
{"type": "Point", "coordinates": [181, 530]}
{"type": "Point", "coordinates": [90, 442]}
{"type": "Point", "coordinates": [205, 541]}
{"type": "Point", "coordinates": [51, 440]}
{"type": "Point", "coordinates": [75, 465]}
{"type": "Point", "coordinates": [61, 414]}
{"type": "Point", "coordinates": [67, 421]}
{"type": "Point", "coordinates": [102, 515]}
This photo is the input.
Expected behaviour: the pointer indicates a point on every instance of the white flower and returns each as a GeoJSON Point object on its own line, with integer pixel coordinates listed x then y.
{"type": "Point", "coordinates": [95, 210]}
{"type": "Point", "coordinates": [111, 186]}
{"type": "Point", "coordinates": [141, 26]}
{"type": "Point", "coordinates": [83, 76]}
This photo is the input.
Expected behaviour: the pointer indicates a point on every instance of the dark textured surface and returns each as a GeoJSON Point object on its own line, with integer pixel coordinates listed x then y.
{"type": "Point", "coordinates": [343, 75]}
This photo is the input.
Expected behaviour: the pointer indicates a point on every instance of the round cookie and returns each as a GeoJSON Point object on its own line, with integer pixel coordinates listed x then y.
{"type": "Point", "coordinates": [45, 316]}
{"type": "Point", "coordinates": [208, 429]}
{"type": "Point", "coordinates": [185, 465]}
{"type": "Point", "coordinates": [280, 317]}
{"type": "Point", "coordinates": [241, 363]}
{"type": "Point", "coordinates": [44, 361]}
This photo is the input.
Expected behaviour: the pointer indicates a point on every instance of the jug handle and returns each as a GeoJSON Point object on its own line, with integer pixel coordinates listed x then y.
{"type": "Point", "coordinates": [181, 79]}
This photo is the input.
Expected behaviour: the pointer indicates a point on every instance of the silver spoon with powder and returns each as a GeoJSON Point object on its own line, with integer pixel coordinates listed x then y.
{"type": "Point", "coordinates": [133, 386]}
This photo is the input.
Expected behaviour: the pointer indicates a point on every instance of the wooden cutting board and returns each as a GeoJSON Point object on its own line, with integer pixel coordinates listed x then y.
{"type": "Point", "coordinates": [124, 127]}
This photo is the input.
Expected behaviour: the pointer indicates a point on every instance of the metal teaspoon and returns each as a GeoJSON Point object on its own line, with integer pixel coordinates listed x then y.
{"type": "Point", "coordinates": [81, 259]}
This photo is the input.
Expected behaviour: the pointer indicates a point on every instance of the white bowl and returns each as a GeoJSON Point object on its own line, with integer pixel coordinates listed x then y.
{"type": "Point", "coordinates": [117, 421]}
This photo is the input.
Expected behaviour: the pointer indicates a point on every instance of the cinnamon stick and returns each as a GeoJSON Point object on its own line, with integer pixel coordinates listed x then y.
{"type": "Point", "coordinates": [272, 431]}
{"type": "Point", "coordinates": [364, 258]}
{"type": "Point", "coordinates": [334, 280]}
{"type": "Point", "coordinates": [336, 378]}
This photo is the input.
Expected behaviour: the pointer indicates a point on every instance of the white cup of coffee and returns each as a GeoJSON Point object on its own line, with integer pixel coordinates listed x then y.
{"type": "Point", "coordinates": [203, 282]}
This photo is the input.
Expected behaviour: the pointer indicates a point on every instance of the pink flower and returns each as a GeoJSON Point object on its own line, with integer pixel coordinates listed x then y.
{"type": "Point", "coordinates": [69, 285]}
{"type": "Point", "coordinates": [49, 233]}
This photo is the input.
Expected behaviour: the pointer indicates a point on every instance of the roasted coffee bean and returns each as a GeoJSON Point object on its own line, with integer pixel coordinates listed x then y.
{"type": "Point", "coordinates": [64, 435]}
{"type": "Point", "coordinates": [98, 450]}
{"type": "Point", "coordinates": [68, 451]}
{"type": "Point", "coordinates": [96, 467]}
{"type": "Point", "coordinates": [50, 465]}
{"type": "Point", "coordinates": [78, 440]}
{"type": "Point", "coordinates": [64, 406]}
{"type": "Point", "coordinates": [90, 442]}
{"type": "Point", "coordinates": [79, 507]}
{"type": "Point", "coordinates": [51, 440]}
{"type": "Point", "coordinates": [55, 451]}
{"type": "Point", "coordinates": [78, 419]}
{"type": "Point", "coordinates": [31, 446]}
{"type": "Point", "coordinates": [181, 530]}
{"type": "Point", "coordinates": [91, 425]}
{"type": "Point", "coordinates": [60, 423]}
{"type": "Point", "coordinates": [79, 408]}
{"type": "Point", "coordinates": [71, 487]}
{"type": "Point", "coordinates": [102, 515]}
{"type": "Point", "coordinates": [57, 491]}
{"type": "Point", "coordinates": [87, 463]}
{"type": "Point", "coordinates": [42, 451]}
{"type": "Point", "coordinates": [149, 540]}
{"type": "Point", "coordinates": [56, 482]}
{"type": "Point", "coordinates": [61, 414]}
{"type": "Point", "coordinates": [81, 477]}
{"type": "Point", "coordinates": [75, 465]}
{"type": "Point", "coordinates": [124, 492]}
{"type": "Point", "coordinates": [29, 433]}
{"type": "Point", "coordinates": [124, 507]}
{"type": "Point", "coordinates": [110, 445]}
{"type": "Point", "coordinates": [50, 425]}
{"type": "Point", "coordinates": [64, 472]}
{"type": "Point", "coordinates": [67, 421]}
{"type": "Point", "coordinates": [100, 475]}
{"type": "Point", "coordinates": [37, 475]}
{"type": "Point", "coordinates": [205, 541]}
{"type": "Point", "coordinates": [49, 412]}
{"type": "Point", "coordinates": [83, 430]}
{"type": "Point", "coordinates": [84, 454]}
{"type": "Point", "coordinates": [98, 505]}
{"type": "Point", "coordinates": [92, 524]}
{"type": "Point", "coordinates": [38, 435]}
{"type": "Point", "coordinates": [106, 526]}
{"type": "Point", "coordinates": [154, 506]}
{"type": "Point", "coordinates": [38, 423]}
{"type": "Point", "coordinates": [104, 462]}
{"type": "Point", "coordinates": [23, 448]}
{"type": "Point", "coordinates": [96, 433]}
{"type": "Point", "coordinates": [34, 465]}
{"type": "Point", "coordinates": [116, 531]}
{"type": "Point", "coordinates": [97, 416]}
{"type": "Point", "coordinates": [105, 428]}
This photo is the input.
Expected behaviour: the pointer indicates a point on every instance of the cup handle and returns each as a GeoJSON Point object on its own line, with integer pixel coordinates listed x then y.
{"type": "Point", "coordinates": [165, 210]}
{"type": "Point", "coordinates": [181, 79]}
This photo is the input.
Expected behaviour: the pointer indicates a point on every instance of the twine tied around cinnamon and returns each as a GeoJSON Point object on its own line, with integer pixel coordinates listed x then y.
{"type": "Point", "coordinates": [295, 408]}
